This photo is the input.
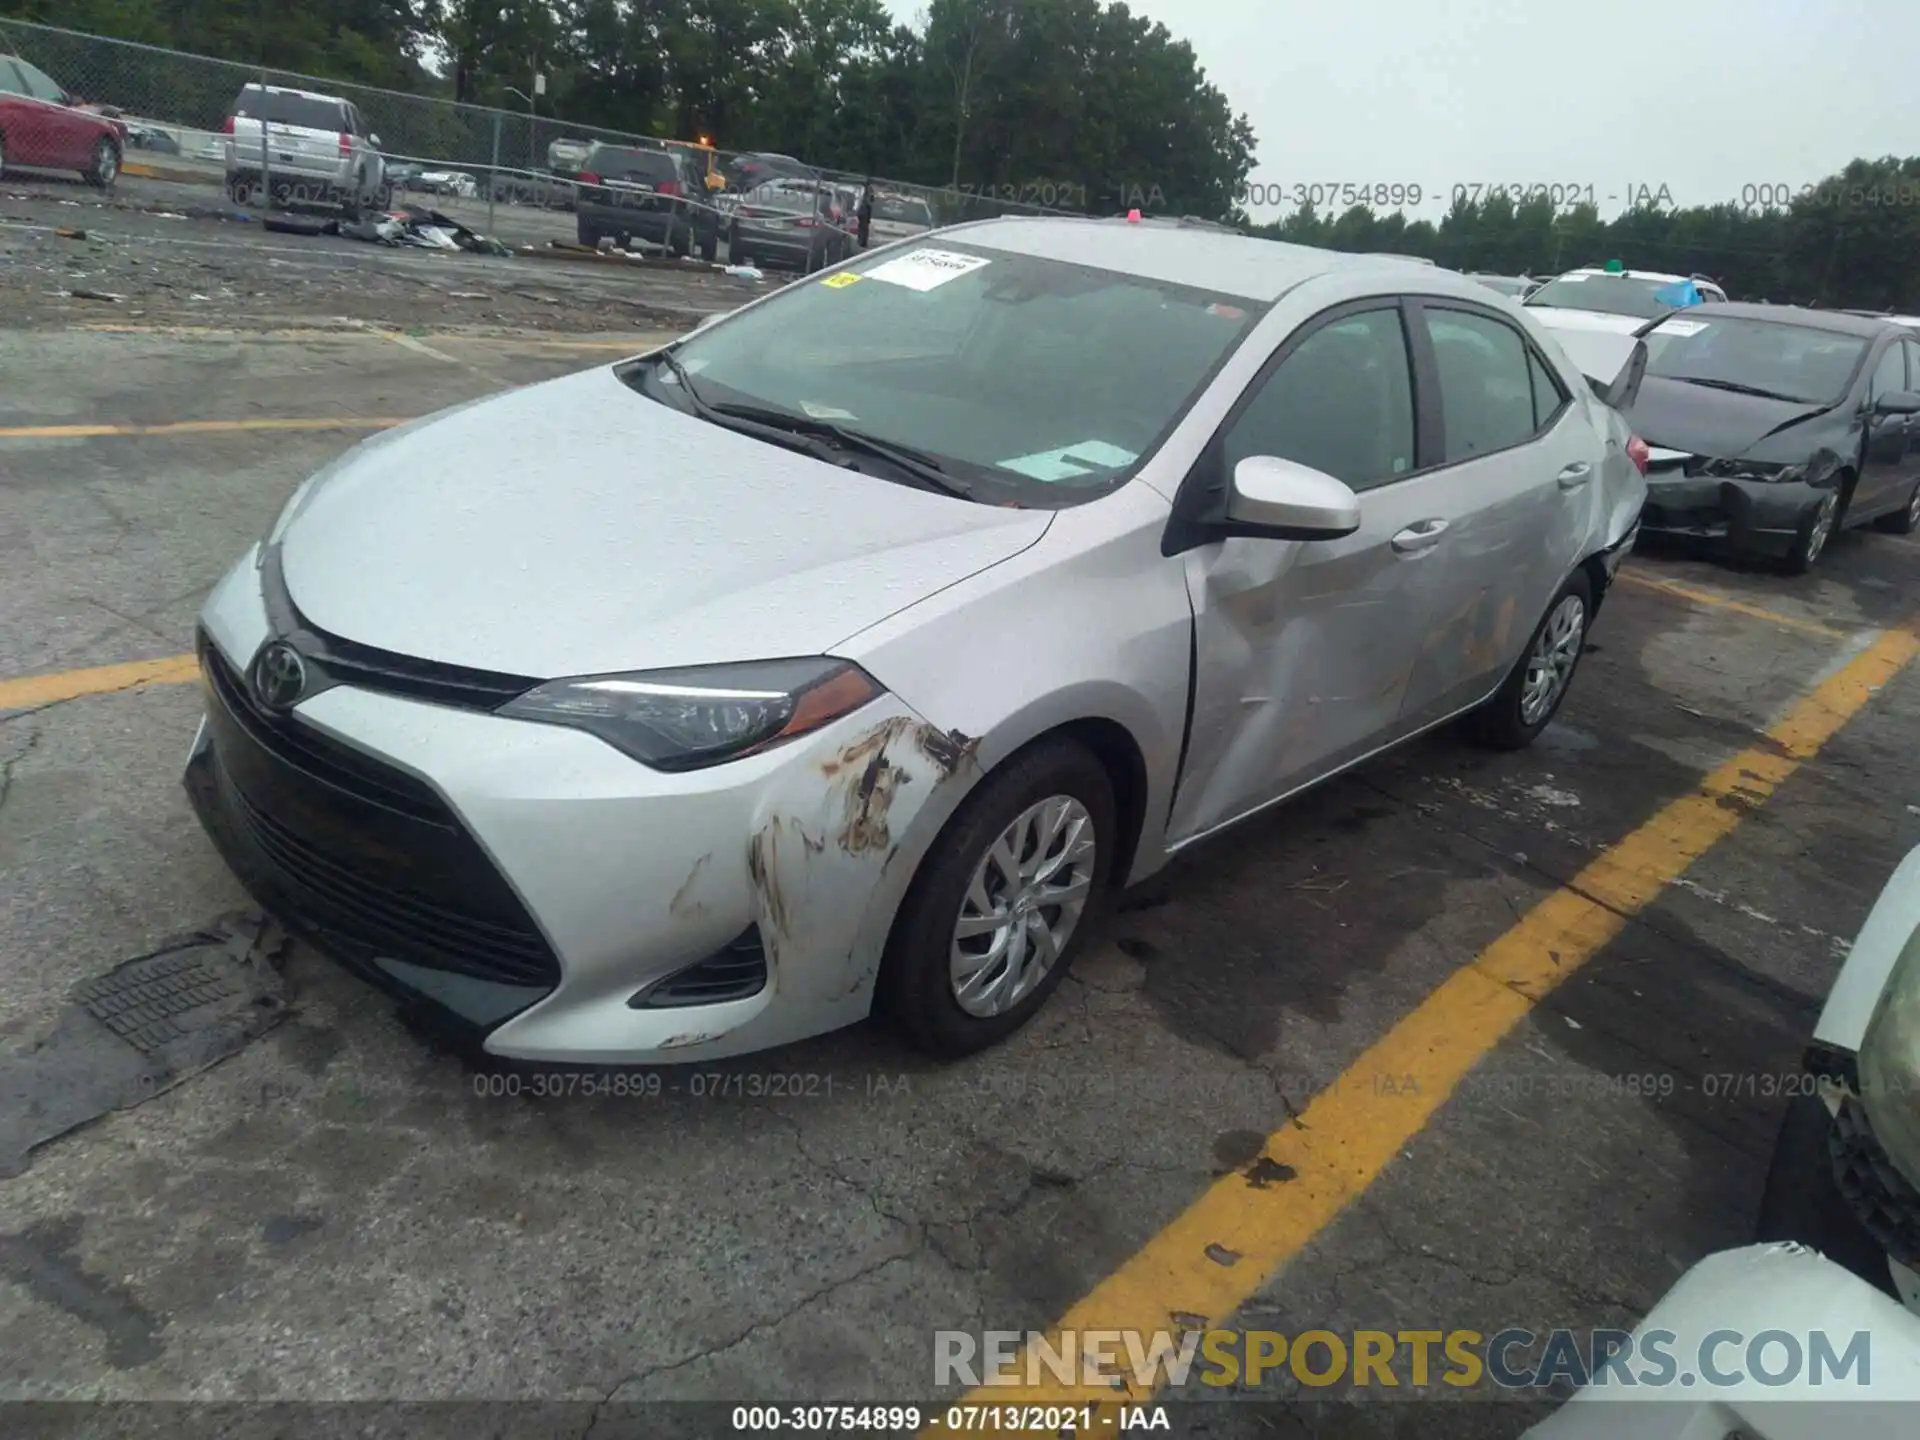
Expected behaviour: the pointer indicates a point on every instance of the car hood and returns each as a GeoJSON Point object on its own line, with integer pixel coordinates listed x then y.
{"type": "Point", "coordinates": [575, 527]}
{"type": "Point", "coordinates": [1564, 319]}
{"type": "Point", "coordinates": [1719, 424]}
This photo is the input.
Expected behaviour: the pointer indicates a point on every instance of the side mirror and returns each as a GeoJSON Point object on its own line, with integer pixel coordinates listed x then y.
{"type": "Point", "coordinates": [1290, 501]}
{"type": "Point", "coordinates": [374, 140]}
{"type": "Point", "coordinates": [1897, 402]}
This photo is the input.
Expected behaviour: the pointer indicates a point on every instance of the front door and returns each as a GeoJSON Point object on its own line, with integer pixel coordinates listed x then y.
{"type": "Point", "coordinates": [1884, 465]}
{"type": "Point", "coordinates": [1303, 648]}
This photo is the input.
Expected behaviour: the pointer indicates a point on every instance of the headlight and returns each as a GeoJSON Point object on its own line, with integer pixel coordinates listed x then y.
{"type": "Point", "coordinates": [688, 719]}
{"type": "Point", "coordinates": [1753, 470]}
{"type": "Point", "coordinates": [1890, 1064]}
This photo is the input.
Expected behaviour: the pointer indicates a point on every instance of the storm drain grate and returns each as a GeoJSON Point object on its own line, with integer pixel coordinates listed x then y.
{"type": "Point", "coordinates": [150, 1002]}
{"type": "Point", "coordinates": [140, 1029]}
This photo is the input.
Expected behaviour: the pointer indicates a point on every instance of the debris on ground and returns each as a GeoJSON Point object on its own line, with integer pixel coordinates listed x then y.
{"type": "Point", "coordinates": [81, 294]}
{"type": "Point", "coordinates": [65, 234]}
{"type": "Point", "coordinates": [746, 272]}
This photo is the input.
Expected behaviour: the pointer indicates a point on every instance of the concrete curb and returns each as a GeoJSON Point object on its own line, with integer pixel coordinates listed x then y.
{"type": "Point", "coordinates": [141, 170]}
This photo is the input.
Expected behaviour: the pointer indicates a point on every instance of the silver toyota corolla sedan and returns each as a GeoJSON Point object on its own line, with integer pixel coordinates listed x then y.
{"type": "Point", "coordinates": [849, 653]}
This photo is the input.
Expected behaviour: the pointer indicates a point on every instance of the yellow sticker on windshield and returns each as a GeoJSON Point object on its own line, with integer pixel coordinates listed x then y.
{"type": "Point", "coordinates": [841, 281]}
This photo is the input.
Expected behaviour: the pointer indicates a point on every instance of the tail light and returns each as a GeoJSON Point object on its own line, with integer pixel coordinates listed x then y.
{"type": "Point", "coordinates": [226, 126]}
{"type": "Point", "coordinates": [806, 220]}
{"type": "Point", "coordinates": [1638, 452]}
{"type": "Point", "coordinates": [587, 177]}
{"type": "Point", "coordinates": [667, 187]}
{"type": "Point", "coordinates": [346, 143]}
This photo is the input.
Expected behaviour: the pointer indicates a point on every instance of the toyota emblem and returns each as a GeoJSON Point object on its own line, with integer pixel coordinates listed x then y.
{"type": "Point", "coordinates": [279, 676]}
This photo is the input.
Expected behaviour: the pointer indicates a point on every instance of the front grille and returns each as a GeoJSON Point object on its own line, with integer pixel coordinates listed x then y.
{"type": "Point", "coordinates": [735, 973]}
{"type": "Point", "coordinates": [1884, 1200]}
{"type": "Point", "coordinates": [394, 920]}
{"type": "Point", "coordinates": [294, 743]}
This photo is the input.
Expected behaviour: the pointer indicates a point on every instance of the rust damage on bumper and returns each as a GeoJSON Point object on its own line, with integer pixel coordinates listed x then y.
{"type": "Point", "coordinates": [828, 838]}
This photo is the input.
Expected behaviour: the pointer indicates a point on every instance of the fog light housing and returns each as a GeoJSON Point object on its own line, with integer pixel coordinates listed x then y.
{"type": "Point", "coordinates": [736, 972]}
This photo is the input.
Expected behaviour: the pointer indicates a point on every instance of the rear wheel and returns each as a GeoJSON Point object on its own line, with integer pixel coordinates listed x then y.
{"type": "Point", "coordinates": [1526, 704]}
{"type": "Point", "coordinates": [589, 236]}
{"type": "Point", "coordinates": [679, 241]}
{"type": "Point", "coordinates": [1005, 897]}
{"type": "Point", "coordinates": [1816, 528]}
{"type": "Point", "coordinates": [240, 190]}
{"type": "Point", "coordinates": [105, 168]}
{"type": "Point", "coordinates": [1906, 521]}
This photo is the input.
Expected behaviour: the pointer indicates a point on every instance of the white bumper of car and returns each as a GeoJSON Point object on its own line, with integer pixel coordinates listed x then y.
{"type": "Point", "coordinates": [1857, 989]}
{"type": "Point", "coordinates": [1734, 1298]}
{"type": "Point", "coordinates": [632, 874]}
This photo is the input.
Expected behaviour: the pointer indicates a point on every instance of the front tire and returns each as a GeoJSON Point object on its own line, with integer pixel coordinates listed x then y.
{"type": "Point", "coordinates": [1004, 900]}
{"type": "Point", "coordinates": [1816, 529]}
{"type": "Point", "coordinates": [105, 168]}
{"type": "Point", "coordinates": [1531, 696]}
{"type": "Point", "coordinates": [1902, 522]}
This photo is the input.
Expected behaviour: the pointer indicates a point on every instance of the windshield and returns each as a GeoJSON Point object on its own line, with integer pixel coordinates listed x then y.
{"type": "Point", "coordinates": [1795, 361]}
{"type": "Point", "coordinates": [1609, 294]}
{"type": "Point", "coordinates": [1033, 381]}
{"type": "Point", "coordinates": [295, 110]}
{"type": "Point", "coordinates": [913, 212]}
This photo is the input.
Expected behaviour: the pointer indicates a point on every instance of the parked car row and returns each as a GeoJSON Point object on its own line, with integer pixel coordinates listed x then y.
{"type": "Point", "coordinates": [1771, 426]}
{"type": "Point", "coordinates": [41, 124]}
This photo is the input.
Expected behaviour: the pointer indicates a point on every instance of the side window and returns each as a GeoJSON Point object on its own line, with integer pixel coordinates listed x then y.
{"type": "Point", "coordinates": [1486, 387]}
{"type": "Point", "coordinates": [1913, 364]}
{"type": "Point", "coordinates": [1890, 374]}
{"type": "Point", "coordinates": [1342, 402]}
{"type": "Point", "coordinates": [1548, 396]}
{"type": "Point", "coordinates": [38, 83]}
{"type": "Point", "coordinates": [10, 81]}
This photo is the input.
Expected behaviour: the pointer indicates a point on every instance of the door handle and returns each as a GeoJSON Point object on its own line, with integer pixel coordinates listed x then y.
{"type": "Point", "coordinates": [1575, 475]}
{"type": "Point", "coordinates": [1421, 535]}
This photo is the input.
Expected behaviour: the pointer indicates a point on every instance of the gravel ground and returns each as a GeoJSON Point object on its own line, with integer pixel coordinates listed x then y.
{"type": "Point", "coordinates": [177, 254]}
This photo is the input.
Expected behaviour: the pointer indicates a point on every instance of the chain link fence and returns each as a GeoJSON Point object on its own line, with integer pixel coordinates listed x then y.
{"type": "Point", "coordinates": [515, 173]}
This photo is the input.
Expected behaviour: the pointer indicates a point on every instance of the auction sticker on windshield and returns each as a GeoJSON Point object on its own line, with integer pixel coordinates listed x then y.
{"type": "Point", "coordinates": [1683, 327]}
{"type": "Point", "coordinates": [927, 269]}
{"type": "Point", "coordinates": [842, 280]}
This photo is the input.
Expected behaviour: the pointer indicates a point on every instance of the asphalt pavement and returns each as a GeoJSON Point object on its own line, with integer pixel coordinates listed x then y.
{"type": "Point", "coordinates": [339, 1210]}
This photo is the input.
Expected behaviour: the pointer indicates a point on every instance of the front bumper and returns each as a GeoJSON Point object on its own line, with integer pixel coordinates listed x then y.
{"type": "Point", "coordinates": [1749, 516]}
{"type": "Point", "coordinates": [525, 882]}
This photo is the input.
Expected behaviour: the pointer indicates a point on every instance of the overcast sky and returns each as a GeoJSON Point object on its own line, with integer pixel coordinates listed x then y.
{"type": "Point", "coordinates": [1709, 98]}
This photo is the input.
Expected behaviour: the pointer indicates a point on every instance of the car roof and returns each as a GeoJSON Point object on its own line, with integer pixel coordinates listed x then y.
{"type": "Point", "coordinates": [1177, 253]}
{"type": "Point", "coordinates": [289, 90]}
{"type": "Point", "coordinates": [1837, 321]}
{"type": "Point", "coordinates": [1631, 274]}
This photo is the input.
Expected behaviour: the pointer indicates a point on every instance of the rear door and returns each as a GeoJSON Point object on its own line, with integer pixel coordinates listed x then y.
{"type": "Point", "coordinates": [1520, 463]}
{"type": "Point", "coordinates": [303, 132]}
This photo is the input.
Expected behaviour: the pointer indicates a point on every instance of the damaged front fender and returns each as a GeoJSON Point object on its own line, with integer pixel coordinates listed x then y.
{"type": "Point", "coordinates": [837, 841]}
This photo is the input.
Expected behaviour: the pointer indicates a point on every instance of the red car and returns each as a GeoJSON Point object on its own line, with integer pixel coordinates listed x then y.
{"type": "Point", "coordinates": [41, 125]}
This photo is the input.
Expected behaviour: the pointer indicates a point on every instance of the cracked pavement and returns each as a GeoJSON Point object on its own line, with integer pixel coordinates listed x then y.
{"type": "Point", "coordinates": [343, 1211]}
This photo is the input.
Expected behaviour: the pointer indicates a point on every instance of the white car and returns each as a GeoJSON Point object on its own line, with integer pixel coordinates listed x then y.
{"type": "Point", "coordinates": [1600, 298]}
{"type": "Point", "coordinates": [448, 182]}
{"type": "Point", "coordinates": [852, 650]}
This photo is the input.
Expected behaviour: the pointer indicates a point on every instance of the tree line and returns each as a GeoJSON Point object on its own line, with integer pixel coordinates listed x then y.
{"type": "Point", "coordinates": [1036, 100]}
{"type": "Point", "coordinates": [1851, 240]}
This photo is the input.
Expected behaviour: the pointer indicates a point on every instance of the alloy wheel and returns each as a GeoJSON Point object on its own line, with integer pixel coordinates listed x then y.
{"type": "Point", "coordinates": [1022, 906]}
{"type": "Point", "coordinates": [1913, 510]}
{"type": "Point", "coordinates": [106, 163]}
{"type": "Point", "coordinates": [1822, 527]}
{"type": "Point", "coordinates": [1556, 650]}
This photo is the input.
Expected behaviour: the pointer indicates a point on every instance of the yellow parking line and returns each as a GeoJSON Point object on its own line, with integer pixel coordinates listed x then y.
{"type": "Point", "coordinates": [31, 690]}
{"type": "Point", "coordinates": [1728, 603]}
{"type": "Point", "coordinates": [1210, 1260]}
{"type": "Point", "coordinates": [197, 427]}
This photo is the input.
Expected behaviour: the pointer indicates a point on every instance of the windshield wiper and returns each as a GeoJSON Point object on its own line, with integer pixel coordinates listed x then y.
{"type": "Point", "coordinates": [821, 439]}
{"type": "Point", "coordinates": [924, 469]}
{"type": "Point", "coordinates": [1738, 389]}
